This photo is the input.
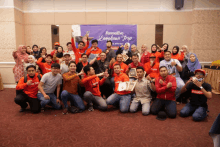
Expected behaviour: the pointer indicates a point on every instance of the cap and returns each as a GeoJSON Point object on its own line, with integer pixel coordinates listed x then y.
{"type": "Point", "coordinates": [57, 43]}
{"type": "Point", "coordinates": [152, 56]}
{"type": "Point", "coordinates": [200, 70]}
{"type": "Point", "coordinates": [49, 55]}
{"type": "Point", "coordinates": [66, 53]}
{"type": "Point", "coordinates": [161, 115]}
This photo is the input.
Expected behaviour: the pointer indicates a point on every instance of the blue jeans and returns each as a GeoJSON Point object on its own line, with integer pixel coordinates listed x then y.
{"type": "Point", "coordinates": [52, 101]}
{"type": "Point", "coordinates": [160, 104]}
{"type": "Point", "coordinates": [198, 113]}
{"type": "Point", "coordinates": [73, 98]}
{"type": "Point", "coordinates": [124, 101]}
{"type": "Point", "coordinates": [179, 86]}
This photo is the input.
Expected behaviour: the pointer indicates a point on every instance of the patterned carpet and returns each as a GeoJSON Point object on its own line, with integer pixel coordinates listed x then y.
{"type": "Point", "coordinates": [96, 129]}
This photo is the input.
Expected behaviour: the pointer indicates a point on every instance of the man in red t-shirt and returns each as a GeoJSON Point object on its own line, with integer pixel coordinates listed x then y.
{"type": "Point", "coordinates": [92, 83]}
{"type": "Point", "coordinates": [121, 97]}
{"type": "Point", "coordinates": [165, 86]}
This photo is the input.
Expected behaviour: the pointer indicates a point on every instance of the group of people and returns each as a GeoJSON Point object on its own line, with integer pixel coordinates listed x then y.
{"type": "Point", "coordinates": [65, 79]}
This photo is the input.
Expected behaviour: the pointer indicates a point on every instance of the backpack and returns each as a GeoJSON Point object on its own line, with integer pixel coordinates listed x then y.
{"type": "Point", "coordinates": [25, 78]}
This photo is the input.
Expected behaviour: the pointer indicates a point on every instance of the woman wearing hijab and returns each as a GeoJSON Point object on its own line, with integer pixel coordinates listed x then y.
{"type": "Point", "coordinates": [125, 51]}
{"type": "Point", "coordinates": [135, 51]}
{"type": "Point", "coordinates": [35, 50]}
{"type": "Point", "coordinates": [31, 61]}
{"type": "Point", "coordinates": [185, 60]}
{"type": "Point", "coordinates": [175, 54]}
{"type": "Point", "coordinates": [192, 65]}
{"type": "Point", "coordinates": [157, 54]}
{"type": "Point", "coordinates": [20, 56]}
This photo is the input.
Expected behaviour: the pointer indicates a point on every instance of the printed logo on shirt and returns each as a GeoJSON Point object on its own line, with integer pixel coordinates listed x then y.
{"type": "Point", "coordinates": [197, 91]}
{"type": "Point", "coordinates": [47, 68]}
{"type": "Point", "coordinates": [153, 69]}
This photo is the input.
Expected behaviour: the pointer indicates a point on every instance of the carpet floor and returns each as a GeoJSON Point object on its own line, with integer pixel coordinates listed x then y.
{"type": "Point", "coordinates": [98, 129]}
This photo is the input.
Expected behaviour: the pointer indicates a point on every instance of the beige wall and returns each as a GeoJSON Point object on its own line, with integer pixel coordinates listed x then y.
{"type": "Point", "coordinates": [29, 22]}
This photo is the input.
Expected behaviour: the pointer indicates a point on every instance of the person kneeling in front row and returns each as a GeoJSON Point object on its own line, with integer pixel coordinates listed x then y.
{"type": "Point", "coordinates": [165, 86]}
{"type": "Point", "coordinates": [199, 91]}
{"type": "Point", "coordinates": [48, 85]}
{"type": "Point", "coordinates": [70, 87]}
{"type": "Point", "coordinates": [29, 86]}
{"type": "Point", "coordinates": [91, 82]}
{"type": "Point", "coordinates": [123, 97]}
{"type": "Point", "coordinates": [143, 93]}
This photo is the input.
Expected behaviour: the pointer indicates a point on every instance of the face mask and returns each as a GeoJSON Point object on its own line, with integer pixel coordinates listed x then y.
{"type": "Point", "coordinates": [200, 79]}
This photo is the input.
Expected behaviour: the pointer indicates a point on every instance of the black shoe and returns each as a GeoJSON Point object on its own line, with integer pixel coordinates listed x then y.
{"type": "Point", "coordinates": [73, 109]}
{"type": "Point", "coordinates": [22, 110]}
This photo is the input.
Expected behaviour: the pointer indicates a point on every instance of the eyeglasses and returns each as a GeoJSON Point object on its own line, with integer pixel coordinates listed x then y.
{"type": "Point", "coordinates": [201, 74]}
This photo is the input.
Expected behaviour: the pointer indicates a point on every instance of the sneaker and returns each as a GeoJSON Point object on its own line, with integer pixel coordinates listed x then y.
{"type": "Point", "coordinates": [73, 109]}
{"type": "Point", "coordinates": [90, 108]}
{"type": "Point", "coordinates": [22, 110]}
{"type": "Point", "coordinates": [65, 111]}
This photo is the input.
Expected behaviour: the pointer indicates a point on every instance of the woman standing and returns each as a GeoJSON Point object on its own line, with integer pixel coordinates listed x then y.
{"type": "Point", "coordinates": [192, 65]}
{"type": "Point", "coordinates": [155, 53]}
{"type": "Point", "coordinates": [164, 48]}
{"type": "Point", "coordinates": [145, 55]}
{"type": "Point", "coordinates": [135, 51]}
{"type": "Point", "coordinates": [176, 55]}
{"type": "Point", "coordinates": [19, 55]}
{"type": "Point", "coordinates": [125, 52]}
{"type": "Point", "coordinates": [185, 60]}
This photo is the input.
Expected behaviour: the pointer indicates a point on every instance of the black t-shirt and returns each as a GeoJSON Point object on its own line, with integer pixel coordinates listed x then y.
{"type": "Point", "coordinates": [197, 96]}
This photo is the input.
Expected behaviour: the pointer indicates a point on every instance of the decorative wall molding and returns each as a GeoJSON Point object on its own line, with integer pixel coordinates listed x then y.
{"type": "Point", "coordinates": [109, 10]}
{"type": "Point", "coordinates": [9, 86]}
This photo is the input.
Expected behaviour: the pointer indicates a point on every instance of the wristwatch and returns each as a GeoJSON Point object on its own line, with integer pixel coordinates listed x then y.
{"type": "Point", "coordinates": [201, 87]}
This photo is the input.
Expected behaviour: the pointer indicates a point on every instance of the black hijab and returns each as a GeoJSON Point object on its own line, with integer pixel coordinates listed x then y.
{"type": "Point", "coordinates": [177, 48]}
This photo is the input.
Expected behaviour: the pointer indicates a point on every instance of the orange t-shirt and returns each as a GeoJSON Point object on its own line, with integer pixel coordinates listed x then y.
{"type": "Point", "coordinates": [124, 67]}
{"type": "Point", "coordinates": [122, 77]}
{"type": "Point", "coordinates": [92, 83]}
{"type": "Point", "coordinates": [179, 57]}
{"type": "Point", "coordinates": [78, 52]}
{"type": "Point", "coordinates": [94, 52]}
{"type": "Point", "coordinates": [158, 56]}
{"type": "Point", "coordinates": [152, 71]}
{"type": "Point", "coordinates": [45, 67]}
{"type": "Point", "coordinates": [30, 90]}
